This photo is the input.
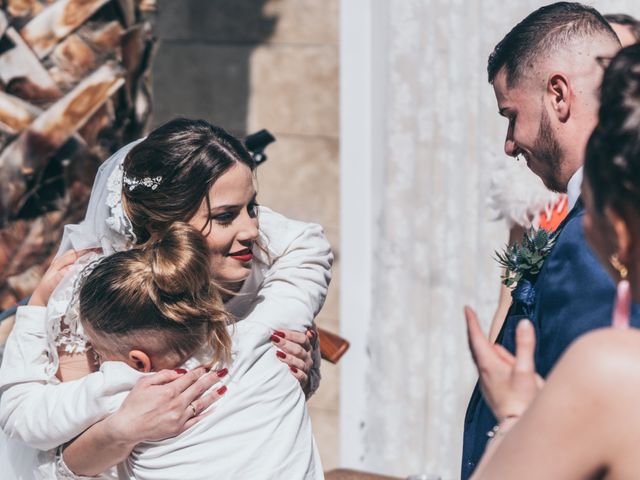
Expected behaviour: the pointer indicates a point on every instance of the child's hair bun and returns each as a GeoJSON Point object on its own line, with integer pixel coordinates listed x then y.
{"type": "Point", "coordinates": [164, 287]}
{"type": "Point", "coordinates": [179, 261]}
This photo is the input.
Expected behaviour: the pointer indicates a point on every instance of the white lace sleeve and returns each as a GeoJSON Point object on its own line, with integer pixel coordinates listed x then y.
{"type": "Point", "coordinates": [63, 472]}
{"type": "Point", "coordinates": [519, 196]}
{"type": "Point", "coordinates": [63, 326]}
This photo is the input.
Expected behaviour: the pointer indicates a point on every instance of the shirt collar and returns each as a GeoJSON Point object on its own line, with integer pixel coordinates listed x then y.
{"type": "Point", "coordinates": [573, 188]}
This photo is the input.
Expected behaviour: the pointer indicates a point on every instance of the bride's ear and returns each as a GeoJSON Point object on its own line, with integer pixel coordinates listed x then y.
{"type": "Point", "coordinates": [139, 360]}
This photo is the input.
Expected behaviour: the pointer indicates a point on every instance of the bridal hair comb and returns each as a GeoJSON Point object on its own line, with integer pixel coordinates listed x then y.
{"type": "Point", "coordinates": [149, 182]}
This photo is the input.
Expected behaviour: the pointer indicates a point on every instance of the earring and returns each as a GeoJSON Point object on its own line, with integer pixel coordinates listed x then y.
{"type": "Point", "coordinates": [618, 265]}
{"type": "Point", "coordinates": [622, 303]}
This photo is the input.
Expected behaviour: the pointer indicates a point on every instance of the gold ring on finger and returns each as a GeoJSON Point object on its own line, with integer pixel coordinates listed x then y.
{"type": "Point", "coordinates": [193, 408]}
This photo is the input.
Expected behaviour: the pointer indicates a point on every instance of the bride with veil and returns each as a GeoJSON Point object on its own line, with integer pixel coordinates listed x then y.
{"type": "Point", "coordinates": [284, 275]}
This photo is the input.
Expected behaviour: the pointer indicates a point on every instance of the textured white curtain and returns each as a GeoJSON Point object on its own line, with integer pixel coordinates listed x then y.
{"type": "Point", "coordinates": [438, 139]}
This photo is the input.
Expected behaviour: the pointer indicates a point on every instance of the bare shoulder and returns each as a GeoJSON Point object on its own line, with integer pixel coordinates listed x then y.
{"type": "Point", "coordinates": [601, 373]}
{"type": "Point", "coordinates": [604, 360]}
{"type": "Point", "coordinates": [608, 344]}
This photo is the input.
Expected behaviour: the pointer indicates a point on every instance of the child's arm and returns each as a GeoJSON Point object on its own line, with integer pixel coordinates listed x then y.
{"type": "Point", "coordinates": [296, 284]}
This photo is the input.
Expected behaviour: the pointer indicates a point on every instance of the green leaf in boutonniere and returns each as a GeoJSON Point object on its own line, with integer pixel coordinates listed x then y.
{"type": "Point", "coordinates": [525, 259]}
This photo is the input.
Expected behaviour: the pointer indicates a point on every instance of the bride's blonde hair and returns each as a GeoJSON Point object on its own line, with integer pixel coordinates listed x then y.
{"type": "Point", "coordinates": [158, 298]}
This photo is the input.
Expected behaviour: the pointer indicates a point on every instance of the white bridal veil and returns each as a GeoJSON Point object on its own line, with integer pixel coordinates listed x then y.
{"type": "Point", "coordinates": [105, 226]}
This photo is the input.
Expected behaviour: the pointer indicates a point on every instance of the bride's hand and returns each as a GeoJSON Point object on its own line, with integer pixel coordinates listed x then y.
{"type": "Point", "coordinates": [54, 275]}
{"type": "Point", "coordinates": [165, 404]}
{"type": "Point", "coordinates": [295, 350]}
{"type": "Point", "coordinates": [509, 384]}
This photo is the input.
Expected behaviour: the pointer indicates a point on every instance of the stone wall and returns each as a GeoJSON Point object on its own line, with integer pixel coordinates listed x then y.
{"type": "Point", "coordinates": [253, 64]}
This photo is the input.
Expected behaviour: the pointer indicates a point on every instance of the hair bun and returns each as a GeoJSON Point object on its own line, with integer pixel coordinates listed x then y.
{"type": "Point", "coordinates": [180, 261]}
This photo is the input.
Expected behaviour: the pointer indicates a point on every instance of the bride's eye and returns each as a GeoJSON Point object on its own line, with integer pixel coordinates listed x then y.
{"type": "Point", "coordinates": [224, 219]}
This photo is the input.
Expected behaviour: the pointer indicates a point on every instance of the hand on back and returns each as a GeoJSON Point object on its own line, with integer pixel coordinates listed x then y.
{"type": "Point", "coordinates": [295, 350]}
{"type": "Point", "coordinates": [165, 404]}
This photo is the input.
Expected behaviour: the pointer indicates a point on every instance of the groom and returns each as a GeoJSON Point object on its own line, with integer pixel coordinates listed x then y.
{"type": "Point", "coordinates": [546, 74]}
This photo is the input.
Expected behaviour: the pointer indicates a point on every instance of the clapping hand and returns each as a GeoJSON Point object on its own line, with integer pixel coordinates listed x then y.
{"type": "Point", "coordinates": [509, 384]}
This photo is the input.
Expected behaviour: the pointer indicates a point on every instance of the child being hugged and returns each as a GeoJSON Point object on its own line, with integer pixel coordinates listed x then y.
{"type": "Point", "coordinates": [156, 307]}
{"type": "Point", "coordinates": [152, 307]}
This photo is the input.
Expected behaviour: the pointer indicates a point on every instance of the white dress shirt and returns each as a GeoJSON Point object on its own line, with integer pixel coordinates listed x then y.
{"type": "Point", "coordinates": [574, 187]}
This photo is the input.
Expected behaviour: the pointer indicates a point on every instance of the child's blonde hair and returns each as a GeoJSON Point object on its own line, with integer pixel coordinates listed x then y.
{"type": "Point", "coordinates": [159, 298]}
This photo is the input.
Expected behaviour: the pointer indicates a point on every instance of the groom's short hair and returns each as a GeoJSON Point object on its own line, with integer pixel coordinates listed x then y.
{"type": "Point", "coordinates": [542, 32]}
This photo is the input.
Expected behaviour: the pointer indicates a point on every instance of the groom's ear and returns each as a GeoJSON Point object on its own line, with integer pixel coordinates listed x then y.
{"type": "Point", "coordinates": [559, 92]}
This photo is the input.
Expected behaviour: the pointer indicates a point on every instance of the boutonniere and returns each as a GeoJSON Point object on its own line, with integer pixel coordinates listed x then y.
{"type": "Point", "coordinates": [523, 261]}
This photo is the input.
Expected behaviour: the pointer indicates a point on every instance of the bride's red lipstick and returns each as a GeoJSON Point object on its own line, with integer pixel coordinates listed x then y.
{"type": "Point", "coordinates": [243, 255]}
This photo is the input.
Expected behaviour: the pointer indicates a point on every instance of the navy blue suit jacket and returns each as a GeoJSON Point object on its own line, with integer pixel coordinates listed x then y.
{"type": "Point", "coordinates": [574, 294]}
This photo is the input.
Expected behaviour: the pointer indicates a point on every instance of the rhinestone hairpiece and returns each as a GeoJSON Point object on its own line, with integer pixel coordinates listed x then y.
{"type": "Point", "coordinates": [149, 182]}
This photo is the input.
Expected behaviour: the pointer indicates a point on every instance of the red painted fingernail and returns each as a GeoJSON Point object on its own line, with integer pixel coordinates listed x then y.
{"type": "Point", "coordinates": [281, 354]}
{"type": "Point", "coordinates": [221, 390]}
{"type": "Point", "coordinates": [222, 373]}
{"type": "Point", "coordinates": [275, 338]}
{"type": "Point", "coordinates": [294, 369]}
{"type": "Point", "coordinates": [181, 371]}
{"type": "Point", "coordinates": [279, 333]}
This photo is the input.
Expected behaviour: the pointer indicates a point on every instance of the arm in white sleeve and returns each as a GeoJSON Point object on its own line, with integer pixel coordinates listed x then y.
{"type": "Point", "coordinates": [34, 410]}
{"type": "Point", "coordinates": [296, 284]}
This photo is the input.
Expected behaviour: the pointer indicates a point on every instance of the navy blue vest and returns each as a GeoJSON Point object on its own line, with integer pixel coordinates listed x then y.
{"type": "Point", "coordinates": [573, 294]}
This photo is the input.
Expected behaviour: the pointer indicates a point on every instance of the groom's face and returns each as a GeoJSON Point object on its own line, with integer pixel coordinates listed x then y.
{"type": "Point", "coordinates": [529, 133]}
